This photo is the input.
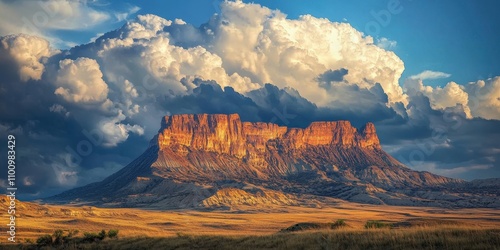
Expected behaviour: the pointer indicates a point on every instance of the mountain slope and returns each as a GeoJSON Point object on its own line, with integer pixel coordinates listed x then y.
{"type": "Point", "coordinates": [214, 160]}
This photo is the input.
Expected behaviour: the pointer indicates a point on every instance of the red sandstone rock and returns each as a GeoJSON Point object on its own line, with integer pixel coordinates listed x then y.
{"type": "Point", "coordinates": [227, 134]}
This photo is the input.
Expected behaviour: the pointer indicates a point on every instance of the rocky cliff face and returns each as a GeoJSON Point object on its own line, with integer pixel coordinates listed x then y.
{"type": "Point", "coordinates": [219, 161]}
{"type": "Point", "coordinates": [222, 146]}
{"type": "Point", "coordinates": [227, 134]}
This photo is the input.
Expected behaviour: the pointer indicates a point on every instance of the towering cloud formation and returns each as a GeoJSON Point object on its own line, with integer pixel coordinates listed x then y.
{"type": "Point", "coordinates": [98, 104]}
{"type": "Point", "coordinates": [29, 53]}
{"type": "Point", "coordinates": [248, 45]}
{"type": "Point", "coordinates": [485, 98]}
{"type": "Point", "coordinates": [267, 47]}
{"type": "Point", "coordinates": [81, 81]}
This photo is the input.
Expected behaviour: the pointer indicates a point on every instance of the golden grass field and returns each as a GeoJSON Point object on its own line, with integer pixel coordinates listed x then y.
{"type": "Point", "coordinates": [34, 220]}
{"type": "Point", "coordinates": [422, 238]}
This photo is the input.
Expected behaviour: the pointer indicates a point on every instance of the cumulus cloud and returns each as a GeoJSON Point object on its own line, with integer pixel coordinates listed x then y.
{"type": "Point", "coordinates": [484, 98]}
{"type": "Point", "coordinates": [444, 141]}
{"type": "Point", "coordinates": [264, 45]}
{"type": "Point", "coordinates": [246, 46]}
{"type": "Point", "coordinates": [28, 52]}
{"type": "Point", "coordinates": [116, 132]}
{"type": "Point", "coordinates": [440, 98]}
{"type": "Point", "coordinates": [429, 75]}
{"type": "Point", "coordinates": [478, 99]}
{"type": "Point", "coordinates": [81, 82]}
{"type": "Point", "coordinates": [169, 62]}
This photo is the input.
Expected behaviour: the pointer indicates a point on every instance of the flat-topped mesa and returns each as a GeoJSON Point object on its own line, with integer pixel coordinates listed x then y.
{"type": "Point", "coordinates": [227, 134]}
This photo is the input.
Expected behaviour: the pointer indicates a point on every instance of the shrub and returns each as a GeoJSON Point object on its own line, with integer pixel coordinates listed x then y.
{"type": "Point", "coordinates": [338, 223]}
{"type": "Point", "coordinates": [45, 240]}
{"type": "Point", "coordinates": [376, 224]}
{"type": "Point", "coordinates": [90, 237]}
{"type": "Point", "coordinates": [102, 234]}
{"type": "Point", "coordinates": [58, 237]}
{"type": "Point", "coordinates": [112, 233]}
{"type": "Point", "coordinates": [72, 233]}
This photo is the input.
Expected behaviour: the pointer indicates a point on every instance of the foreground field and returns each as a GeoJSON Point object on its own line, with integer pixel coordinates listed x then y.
{"type": "Point", "coordinates": [421, 238]}
{"type": "Point", "coordinates": [34, 220]}
{"type": "Point", "coordinates": [412, 227]}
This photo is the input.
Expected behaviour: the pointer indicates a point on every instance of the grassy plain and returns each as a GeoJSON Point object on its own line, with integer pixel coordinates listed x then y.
{"type": "Point", "coordinates": [419, 238]}
{"type": "Point", "coordinates": [245, 228]}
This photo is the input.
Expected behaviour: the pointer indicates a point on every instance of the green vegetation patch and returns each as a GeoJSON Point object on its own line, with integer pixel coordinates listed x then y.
{"type": "Point", "coordinates": [377, 224]}
{"type": "Point", "coordinates": [314, 226]}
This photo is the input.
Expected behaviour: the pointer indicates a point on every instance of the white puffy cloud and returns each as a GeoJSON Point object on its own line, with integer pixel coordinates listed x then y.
{"type": "Point", "coordinates": [441, 98]}
{"type": "Point", "coordinates": [152, 56]}
{"type": "Point", "coordinates": [478, 99]}
{"type": "Point", "coordinates": [245, 46]}
{"type": "Point", "coordinates": [28, 52]}
{"type": "Point", "coordinates": [484, 98]}
{"type": "Point", "coordinates": [128, 100]}
{"type": "Point", "coordinates": [267, 47]}
{"type": "Point", "coordinates": [144, 27]}
{"type": "Point", "coordinates": [429, 75]}
{"type": "Point", "coordinates": [115, 132]}
{"type": "Point", "coordinates": [449, 96]}
{"type": "Point", "coordinates": [81, 82]}
{"type": "Point", "coordinates": [165, 61]}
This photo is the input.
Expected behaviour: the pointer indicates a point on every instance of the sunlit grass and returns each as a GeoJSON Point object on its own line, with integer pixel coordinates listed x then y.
{"type": "Point", "coordinates": [343, 238]}
{"type": "Point", "coordinates": [249, 228]}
